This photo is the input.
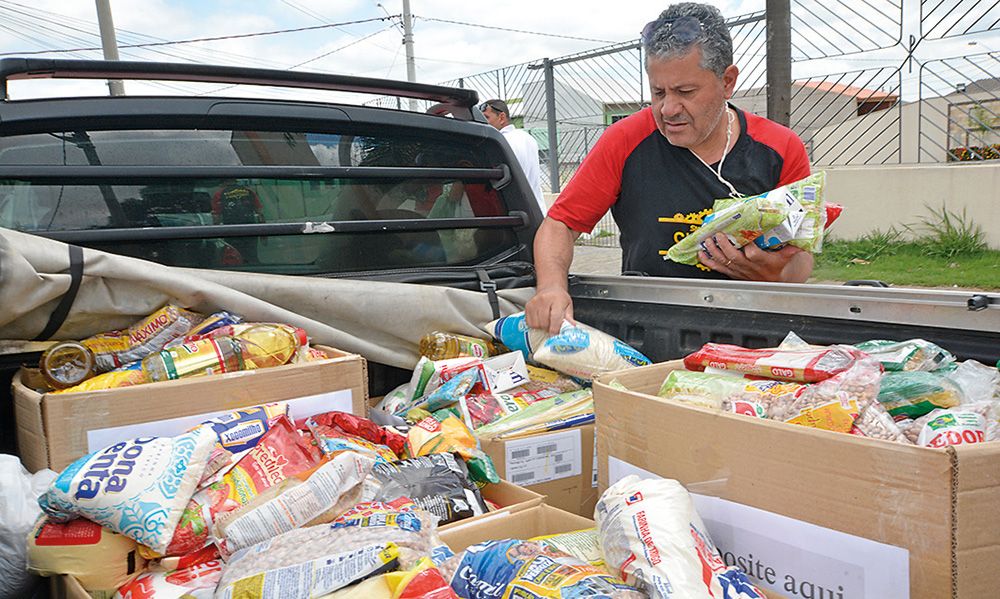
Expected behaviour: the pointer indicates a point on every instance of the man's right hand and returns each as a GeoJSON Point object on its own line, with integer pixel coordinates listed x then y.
{"type": "Point", "coordinates": [548, 309]}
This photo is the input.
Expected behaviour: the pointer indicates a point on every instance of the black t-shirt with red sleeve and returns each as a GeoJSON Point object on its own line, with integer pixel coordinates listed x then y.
{"type": "Point", "coordinates": [636, 173]}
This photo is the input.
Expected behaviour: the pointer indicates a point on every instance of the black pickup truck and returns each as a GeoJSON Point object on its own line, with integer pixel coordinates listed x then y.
{"type": "Point", "coordinates": [332, 189]}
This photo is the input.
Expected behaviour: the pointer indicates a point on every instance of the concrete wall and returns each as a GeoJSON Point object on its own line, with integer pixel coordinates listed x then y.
{"type": "Point", "coordinates": [875, 198]}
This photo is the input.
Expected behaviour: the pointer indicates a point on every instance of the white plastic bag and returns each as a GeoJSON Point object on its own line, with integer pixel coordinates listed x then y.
{"type": "Point", "coordinates": [19, 509]}
{"type": "Point", "coordinates": [651, 534]}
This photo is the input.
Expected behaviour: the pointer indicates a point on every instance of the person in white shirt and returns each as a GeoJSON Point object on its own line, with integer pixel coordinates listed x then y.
{"type": "Point", "coordinates": [524, 145]}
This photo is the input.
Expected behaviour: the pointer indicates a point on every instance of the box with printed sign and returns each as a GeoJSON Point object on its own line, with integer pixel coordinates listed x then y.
{"type": "Point", "coordinates": [53, 430]}
{"type": "Point", "coordinates": [812, 511]}
{"type": "Point", "coordinates": [558, 465]}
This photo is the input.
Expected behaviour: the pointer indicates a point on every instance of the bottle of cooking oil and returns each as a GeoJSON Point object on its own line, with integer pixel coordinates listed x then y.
{"type": "Point", "coordinates": [67, 364]}
{"type": "Point", "coordinates": [266, 345]}
{"type": "Point", "coordinates": [197, 358]}
{"type": "Point", "coordinates": [438, 345]}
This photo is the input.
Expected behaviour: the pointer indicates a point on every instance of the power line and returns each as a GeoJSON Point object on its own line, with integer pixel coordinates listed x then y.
{"type": "Point", "coordinates": [211, 39]}
{"type": "Point", "coordinates": [480, 26]}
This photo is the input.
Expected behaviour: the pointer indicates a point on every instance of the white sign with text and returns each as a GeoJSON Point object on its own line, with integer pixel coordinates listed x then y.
{"type": "Point", "coordinates": [795, 558]}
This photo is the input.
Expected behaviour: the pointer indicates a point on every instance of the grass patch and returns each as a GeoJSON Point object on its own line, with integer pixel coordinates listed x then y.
{"type": "Point", "coordinates": [907, 264]}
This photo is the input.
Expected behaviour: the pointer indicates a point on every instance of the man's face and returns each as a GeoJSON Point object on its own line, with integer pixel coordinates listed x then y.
{"type": "Point", "coordinates": [494, 117]}
{"type": "Point", "coordinates": [688, 100]}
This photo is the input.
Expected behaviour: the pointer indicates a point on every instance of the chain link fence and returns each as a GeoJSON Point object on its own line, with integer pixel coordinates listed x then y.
{"type": "Point", "coordinates": [860, 93]}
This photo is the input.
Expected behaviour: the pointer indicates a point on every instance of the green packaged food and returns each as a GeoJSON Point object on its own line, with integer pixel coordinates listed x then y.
{"type": "Point", "coordinates": [913, 394]}
{"type": "Point", "coordinates": [909, 355]}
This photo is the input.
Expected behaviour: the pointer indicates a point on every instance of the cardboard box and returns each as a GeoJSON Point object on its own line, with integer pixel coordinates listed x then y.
{"type": "Point", "coordinates": [532, 522]}
{"type": "Point", "coordinates": [562, 460]}
{"type": "Point", "coordinates": [837, 504]}
{"type": "Point", "coordinates": [510, 497]}
{"type": "Point", "coordinates": [53, 430]}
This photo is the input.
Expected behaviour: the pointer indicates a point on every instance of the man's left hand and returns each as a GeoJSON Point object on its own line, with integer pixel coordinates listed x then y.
{"type": "Point", "coordinates": [750, 263]}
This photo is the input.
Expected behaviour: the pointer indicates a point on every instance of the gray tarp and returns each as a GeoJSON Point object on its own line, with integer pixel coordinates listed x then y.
{"type": "Point", "coordinates": [381, 321]}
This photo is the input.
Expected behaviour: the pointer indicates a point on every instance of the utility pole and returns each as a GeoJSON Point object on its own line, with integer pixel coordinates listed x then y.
{"type": "Point", "coordinates": [779, 61]}
{"type": "Point", "coordinates": [109, 42]}
{"type": "Point", "coordinates": [411, 66]}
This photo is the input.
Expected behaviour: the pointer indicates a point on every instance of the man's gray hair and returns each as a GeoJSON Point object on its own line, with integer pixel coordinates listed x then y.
{"type": "Point", "coordinates": [715, 42]}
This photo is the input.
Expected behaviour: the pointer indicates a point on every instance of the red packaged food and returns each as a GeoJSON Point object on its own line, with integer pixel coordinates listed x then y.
{"type": "Point", "coordinates": [804, 365]}
{"type": "Point", "coordinates": [279, 454]}
{"type": "Point", "coordinates": [342, 423]}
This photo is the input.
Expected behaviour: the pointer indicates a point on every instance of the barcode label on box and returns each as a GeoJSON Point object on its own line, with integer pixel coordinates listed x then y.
{"type": "Point", "coordinates": [542, 458]}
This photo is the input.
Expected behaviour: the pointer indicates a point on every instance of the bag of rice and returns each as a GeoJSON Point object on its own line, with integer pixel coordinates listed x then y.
{"type": "Point", "coordinates": [577, 349]}
{"type": "Point", "coordinates": [138, 488]}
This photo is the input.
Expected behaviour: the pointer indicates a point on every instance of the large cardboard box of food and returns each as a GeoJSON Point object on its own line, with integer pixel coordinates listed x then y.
{"type": "Point", "coordinates": [55, 429]}
{"type": "Point", "coordinates": [509, 497]}
{"type": "Point", "coordinates": [559, 465]}
{"type": "Point", "coordinates": [524, 524]}
{"type": "Point", "coordinates": [812, 513]}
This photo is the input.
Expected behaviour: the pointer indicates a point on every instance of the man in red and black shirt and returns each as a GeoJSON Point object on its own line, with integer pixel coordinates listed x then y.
{"type": "Point", "coordinates": [660, 170]}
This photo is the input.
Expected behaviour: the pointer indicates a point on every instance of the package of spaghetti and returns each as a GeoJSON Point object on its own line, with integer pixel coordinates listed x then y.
{"type": "Point", "coordinates": [148, 336]}
{"type": "Point", "coordinates": [805, 365]}
{"type": "Point", "coordinates": [482, 409]}
{"type": "Point", "coordinates": [511, 568]}
{"type": "Point", "coordinates": [544, 414]}
{"type": "Point", "coordinates": [138, 488]}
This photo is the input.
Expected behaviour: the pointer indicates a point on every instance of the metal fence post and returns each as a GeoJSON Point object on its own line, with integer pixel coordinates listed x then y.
{"type": "Point", "coordinates": [779, 61]}
{"type": "Point", "coordinates": [550, 117]}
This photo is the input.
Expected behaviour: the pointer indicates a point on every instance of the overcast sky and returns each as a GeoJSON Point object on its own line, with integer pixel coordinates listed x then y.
{"type": "Point", "coordinates": [444, 51]}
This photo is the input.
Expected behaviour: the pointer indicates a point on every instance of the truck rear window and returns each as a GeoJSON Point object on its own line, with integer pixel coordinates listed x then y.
{"type": "Point", "coordinates": [182, 198]}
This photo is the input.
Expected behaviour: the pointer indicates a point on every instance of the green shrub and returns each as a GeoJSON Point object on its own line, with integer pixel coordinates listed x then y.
{"type": "Point", "coordinates": [947, 234]}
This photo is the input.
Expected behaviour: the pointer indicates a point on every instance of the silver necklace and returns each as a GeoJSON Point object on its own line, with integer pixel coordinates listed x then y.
{"type": "Point", "coordinates": [718, 171]}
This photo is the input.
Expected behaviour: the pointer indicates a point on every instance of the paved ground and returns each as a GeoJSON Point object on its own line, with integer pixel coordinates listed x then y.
{"type": "Point", "coordinates": [591, 260]}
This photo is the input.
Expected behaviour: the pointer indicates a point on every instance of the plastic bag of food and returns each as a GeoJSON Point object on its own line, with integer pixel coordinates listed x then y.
{"type": "Point", "coordinates": [511, 568]}
{"type": "Point", "coordinates": [123, 376]}
{"type": "Point", "coordinates": [438, 483]}
{"type": "Point", "coordinates": [279, 454]}
{"type": "Point", "coordinates": [577, 349]}
{"type": "Point", "coordinates": [915, 393]}
{"type": "Point", "coordinates": [323, 496]}
{"type": "Point", "coordinates": [451, 435]}
{"type": "Point", "coordinates": [193, 576]}
{"type": "Point", "coordinates": [651, 533]}
{"type": "Point", "coordinates": [875, 422]}
{"type": "Point", "coordinates": [913, 354]}
{"type": "Point", "coordinates": [367, 540]}
{"type": "Point", "coordinates": [145, 337]}
{"type": "Point", "coordinates": [553, 413]}
{"type": "Point", "coordinates": [584, 545]}
{"type": "Point", "coordinates": [977, 381]}
{"type": "Point", "coordinates": [807, 365]}
{"type": "Point", "coordinates": [835, 403]}
{"type": "Point", "coordinates": [328, 427]}
{"type": "Point", "coordinates": [548, 378]}
{"type": "Point", "coordinates": [18, 513]}
{"type": "Point", "coordinates": [138, 488]}
{"type": "Point", "coordinates": [481, 409]}
{"type": "Point", "coordinates": [943, 428]}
